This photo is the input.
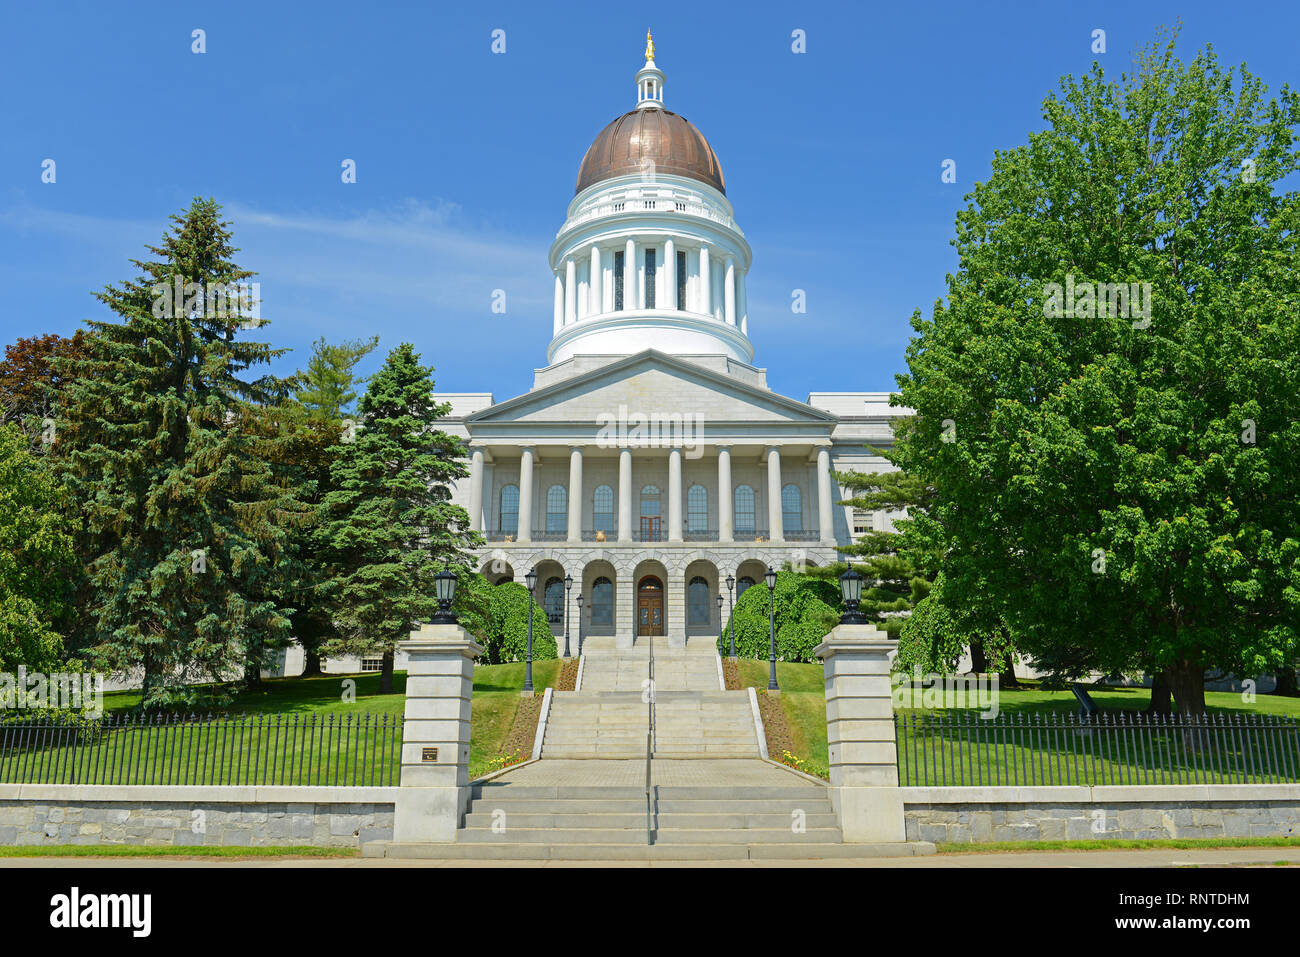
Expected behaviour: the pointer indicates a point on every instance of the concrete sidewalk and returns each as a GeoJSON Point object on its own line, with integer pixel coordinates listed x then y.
{"type": "Point", "coordinates": [1157, 858]}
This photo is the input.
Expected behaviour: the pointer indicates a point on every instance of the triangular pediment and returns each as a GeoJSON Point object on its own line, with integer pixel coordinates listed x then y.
{"type": "Point", "coordinates": [652, 383]}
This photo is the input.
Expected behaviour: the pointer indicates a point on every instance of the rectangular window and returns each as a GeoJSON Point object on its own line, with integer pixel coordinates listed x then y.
{"type": "Point", "coordinates": [649, 278]}
{"type": "Point", "coordinates": [681, 281]}
{"type": "Point", "coordinates": [618, 279]}
{"type": "Point", "coordinates": [372, 664]}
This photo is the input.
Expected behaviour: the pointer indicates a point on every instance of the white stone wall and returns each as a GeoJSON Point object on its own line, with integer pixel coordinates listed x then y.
{"type": "Point", "coordinates": [170, 824]}
{"type": "Point", "coordinates": [977, 815]}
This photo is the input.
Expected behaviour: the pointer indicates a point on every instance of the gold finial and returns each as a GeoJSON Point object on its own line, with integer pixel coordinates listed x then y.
{"type": "Point", "coordinates": [649, 46]}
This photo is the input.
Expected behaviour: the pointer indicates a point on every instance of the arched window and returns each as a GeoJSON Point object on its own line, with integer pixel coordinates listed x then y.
{"type": "Point", "coordinates": [603, 508]}
{"type": "Point", "coordinates": [651, 523]}
{"type": "Point", "coordinates": [602, 602]}
{"type": "Point", "coordinates": [553, 600]}
{"type": "Point", "coordinates": [510, 509]}
{"type": "Point", "coordinates": [742, 584]}
{"type": "Point", "coordinates": [697, 509]}
{"type": "Point", "coordinates": [744, 510]}
{"type": "Point", "coordinates": [697, 601]}
{"type": "Point", "coordinates": [557, 502]}
{"type": "Point", "coordinates": [791, 509]}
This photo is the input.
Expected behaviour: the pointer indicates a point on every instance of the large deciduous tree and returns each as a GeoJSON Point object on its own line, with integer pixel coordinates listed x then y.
{"type": "Point", "coordinates": [1118, 473]}
{"type": "Point", "coordinates": [390, 522]}
{"type": "Point", "coordinates": [33, 374]}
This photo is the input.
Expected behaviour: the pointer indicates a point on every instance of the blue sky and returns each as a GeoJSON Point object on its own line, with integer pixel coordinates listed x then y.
{"type": "Point", "coordinates": [466, 159]}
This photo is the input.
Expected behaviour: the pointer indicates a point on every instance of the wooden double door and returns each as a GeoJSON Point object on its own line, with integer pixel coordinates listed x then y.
{"type": "Point", "coordinates": [649, 607]}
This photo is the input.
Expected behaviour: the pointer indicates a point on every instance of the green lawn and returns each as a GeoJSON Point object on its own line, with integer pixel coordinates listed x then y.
{"type": "Point", "coordinates": [327, 738]}
{"type": "Point", "coordinates": [496, 699]}
{"type": "Point", "coordinates": [944, 755]}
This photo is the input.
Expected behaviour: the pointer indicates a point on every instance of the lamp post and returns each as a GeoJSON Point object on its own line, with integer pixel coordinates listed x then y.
{"type": "Point", "coordinates": [851, 593]}
{"type": "Point", "coordinates": [444, 589]}
{"type": "Point", "coordinates": [579, 624]}
{"type": "Point", "coordinates": [568, 586]}
{"type": "Point", "coordinates": [771, 622]}
{"type": "Point", "coordinates": [531, 579]}
{"type": "Point", "coordinates": [731, 615]}
{"type": "Point", "coordinates": [719, 615]}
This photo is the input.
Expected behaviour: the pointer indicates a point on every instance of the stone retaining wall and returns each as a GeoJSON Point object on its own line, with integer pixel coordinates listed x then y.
{"type": "Point", "coordinates": [190, 816]}
{"type": "Point", "coordinates": [977, 815]}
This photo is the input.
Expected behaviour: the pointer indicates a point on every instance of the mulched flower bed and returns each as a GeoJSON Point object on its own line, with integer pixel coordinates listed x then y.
{"type": "Point", "coordinates": [524, 730]}
{"type": "Point", "coordinates": [568, 679]}
{"type": "Point", "coordinates": [775, 726]}
{"type": "Point", "coordinates": [731, 674]}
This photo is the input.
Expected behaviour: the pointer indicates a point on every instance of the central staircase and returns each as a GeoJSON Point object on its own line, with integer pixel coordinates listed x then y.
{"type": "Point", "coordinates": [609, 715]}
{"type": "Point", "coordinates": [704, 791]}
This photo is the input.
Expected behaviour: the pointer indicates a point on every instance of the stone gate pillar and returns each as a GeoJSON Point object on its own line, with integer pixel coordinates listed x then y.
{"type": "Point", "coordinates": [434, 789]}
{"type": "Point", "coordinates": [860, 733]}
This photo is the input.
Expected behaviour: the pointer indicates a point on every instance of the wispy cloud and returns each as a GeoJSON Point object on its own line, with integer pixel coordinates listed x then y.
{"type": "Point", "coordinates": [415, 271]}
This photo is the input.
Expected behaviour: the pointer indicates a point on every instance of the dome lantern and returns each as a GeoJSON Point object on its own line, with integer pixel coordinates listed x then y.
{"type": "Point", "coordinates": [649, 80]}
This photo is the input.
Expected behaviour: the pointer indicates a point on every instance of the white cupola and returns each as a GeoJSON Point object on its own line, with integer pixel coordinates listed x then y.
{"type": "Point", "coordinates": [650, 80]}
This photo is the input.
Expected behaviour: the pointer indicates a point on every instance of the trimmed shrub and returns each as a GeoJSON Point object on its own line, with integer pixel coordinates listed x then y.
{"type": "Point", "coordinates": [806, 609]}
{"type": "Point", "coordinates": [510, 626]}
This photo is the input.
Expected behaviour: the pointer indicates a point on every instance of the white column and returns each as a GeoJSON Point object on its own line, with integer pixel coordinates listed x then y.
{"type": "Point", "coordinates": [726, 524]}
{"type": "Point", "coordinates": [641, 277]}
{"type": "Point", "coordinates": [476, 489]}
{"type": "Point", "coordinates": [674, 495]}
{"type": "Point", "coordinates": [706, 284]}
{"type": "Point", "coordinates": [525, 533]}
{"type": "Point", "coordinates": [593, 284]}
{"type": "Point", "coordinates": [559, 303]}
{"type": "Point", "coordinates": [825, 504]}
{"type": "Point", "coordinates": [729, 292]}
{"type": "Point", "coordinates": [742, 303]}
{"type": "Point", "coordinates": [629, 275]}
{"type": "Point", "coordinates": [670, 276]}
{"type": "Point", "coordinates": [624, 497]}
{"type": "Point", "coordinates": [774, 530]}
{"type": "Point", "coordinates": [575, 495]}
{"type": "Point", "coordinates": [570, 291]}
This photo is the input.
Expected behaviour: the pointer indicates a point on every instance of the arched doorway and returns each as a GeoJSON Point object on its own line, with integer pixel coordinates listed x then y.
{"type": "Point", "coordinates": [650, 607]}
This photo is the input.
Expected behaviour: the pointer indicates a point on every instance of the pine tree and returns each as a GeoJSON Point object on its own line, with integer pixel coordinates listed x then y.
{"type": "Point", "coordinates": [898, 576]}
{"type": "Point", "coordinates": [390, 522]}
{"type": "Point", "coordinates": [184, 520]}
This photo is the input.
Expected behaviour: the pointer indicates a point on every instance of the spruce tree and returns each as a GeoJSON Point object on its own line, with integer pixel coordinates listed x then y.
{"type": "Point", "coordinates": [390, 522]}
{"type": "Point", "coordinates": [184, 519]}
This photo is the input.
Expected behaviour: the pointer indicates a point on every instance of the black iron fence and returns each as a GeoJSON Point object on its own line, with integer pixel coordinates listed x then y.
{"type": "Point", "coordinates": [346, 750]}
{"type": "Point", "coordinates": [961, 748]}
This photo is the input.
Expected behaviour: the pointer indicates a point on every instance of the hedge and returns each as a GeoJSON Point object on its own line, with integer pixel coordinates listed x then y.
{"type": "Point", "coordinates": [806, 609]}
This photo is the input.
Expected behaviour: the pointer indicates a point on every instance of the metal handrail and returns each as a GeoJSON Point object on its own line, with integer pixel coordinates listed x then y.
{"type": "Point", "coordinates": [649, 746]}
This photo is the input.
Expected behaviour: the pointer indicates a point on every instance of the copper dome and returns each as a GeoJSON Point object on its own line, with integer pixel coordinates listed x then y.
{"type": "Point", "coordinates": [657, 135]}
